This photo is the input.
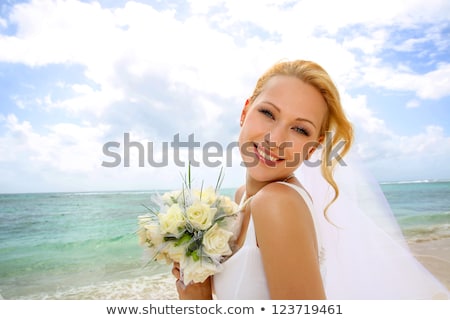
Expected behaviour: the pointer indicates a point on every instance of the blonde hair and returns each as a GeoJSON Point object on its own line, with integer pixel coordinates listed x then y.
{"type": "Point", "coordinates": [335, 122]}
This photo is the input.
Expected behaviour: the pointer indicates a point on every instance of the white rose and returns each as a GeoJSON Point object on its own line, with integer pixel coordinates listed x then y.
{"type": "Point", "coordinates": [171, 197]}
{"type": "Point", "coordinates": [142, 236]}
{"type": "Point", "coordinates": [227, 205]}
{"type": "Point", "coordinates": [197, 271]}
{"type": "Point", "coordinates": [144, 219]}
{"type": "Point", "coordinates": [173, 221]}
{"type": "Point", "coordinates": [142, 231]}
{"type": "Point", "coordinates": [159, 255]}
{"type": "Point", "coordinates": [153, 233]}
{"type": "Point", "coordinates": [215, 241]}
{"type": "Point", "coordinates": [200, 215]}
{"type": "Point", "coordinates": [207, 195]}
{"type": "Point", "coordinates": [232, 224]}
{"type": "Point", "coordinates": [176, 253]}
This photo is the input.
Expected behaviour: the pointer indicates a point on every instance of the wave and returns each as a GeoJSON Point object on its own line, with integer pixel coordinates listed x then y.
{"type": "Point", "coordinates": [427, 233]}
{"type": "Point", "coordinates": [424, 219]}
{"type": "Point", "coordinates": [96, 193]}
{"type": "Point", "coordinates": [154, 287]}
{"type": "Point", "coordinates": [416, 181]}
{"type": "Point", "coordinates": [61, 194]}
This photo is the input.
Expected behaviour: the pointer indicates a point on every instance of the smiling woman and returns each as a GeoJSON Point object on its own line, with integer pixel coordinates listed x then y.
{"type": "Point", "coordinates": [278, 135]}
{"type": "Point", "coordinates": [288, 246]}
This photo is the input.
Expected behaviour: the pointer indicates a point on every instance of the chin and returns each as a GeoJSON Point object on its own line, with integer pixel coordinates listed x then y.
{"type": "Point", "coordinates": [264, 174]}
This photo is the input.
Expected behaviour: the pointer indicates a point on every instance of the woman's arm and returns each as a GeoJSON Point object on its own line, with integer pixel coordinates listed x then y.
{"type": "Point", "coordinates": [287, 240]}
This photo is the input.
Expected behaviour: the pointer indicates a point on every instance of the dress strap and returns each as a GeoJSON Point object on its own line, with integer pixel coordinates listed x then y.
{"type": "Point", "coordinates": [305, 195]}
{"type": "Point", "coordinates": [250, 238]}
{"type": "Point", "coordinates": [244, 201]}
{"type": "Point", "coordinates": [309, 203]}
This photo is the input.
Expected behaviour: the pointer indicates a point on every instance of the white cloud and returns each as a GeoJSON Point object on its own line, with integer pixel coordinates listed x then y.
{"type": "Point", "coordinates": [85, 99]}
{"type": "Point", "coordinates": [413, 104]}
{"type": "Point", "coordinates": [58, 32]}
{"type": "Point", "coordinates": [435, 84]}
{"type": "Point", "coordinates": [369, 44]}
{"type": "Point", "coordinates": [361, 115]}
{"type": "Point", "coordinates": [70, 157]}
{"type": "Point", "coordinates": [284, 16]}
{"type": "Point", "coordinates": [3, 23]}
{"type": "Point", "coordinates": [137, 40]}
{"type": "Point", "coordinates": [64, 147]}
{"type": "Point", "coordinates": [383, 149]}
{"type": "Point", "coordinates": [410, 44]}
{"type": "Point", "coordinates": [420, 156]}
{"type": "Point", "coordinates": [431, 85]}
{"type": "Point", "coordinates": [155, 73]}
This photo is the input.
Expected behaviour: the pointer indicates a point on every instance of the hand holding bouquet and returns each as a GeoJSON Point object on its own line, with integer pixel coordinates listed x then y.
{"type": "Point", "coordinates": [194, 227]}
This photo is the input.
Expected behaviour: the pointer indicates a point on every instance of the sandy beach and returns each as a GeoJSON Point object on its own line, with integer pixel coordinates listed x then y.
{"type": "Point", "coordinates": [435, 256]}
{"type": "Point", "coordinates": [155, 287]}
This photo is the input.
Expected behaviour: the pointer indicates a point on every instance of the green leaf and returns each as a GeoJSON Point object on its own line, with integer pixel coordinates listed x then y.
{"type": "Point", "coordinates": [185, 238]}
{"type": "Point", "coordinates": [195, 256]}
{"type": "Point", "coordinates": [189, 175]}
{"type": "Point", "coordinates": [219, 179]}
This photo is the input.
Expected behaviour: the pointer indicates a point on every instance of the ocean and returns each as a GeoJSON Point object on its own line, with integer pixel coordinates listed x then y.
{"type": "Point", "coordinates": [84, 246]}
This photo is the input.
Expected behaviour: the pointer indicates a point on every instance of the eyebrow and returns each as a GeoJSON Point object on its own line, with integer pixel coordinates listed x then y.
{"type": "Point", "coordinates": [297, 119]}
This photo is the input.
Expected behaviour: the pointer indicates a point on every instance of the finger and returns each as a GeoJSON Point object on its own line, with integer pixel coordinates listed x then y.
{"type": "Point", "coordinates": [180, 285]}
{"type": "Point", "coordinates": [176, 272]}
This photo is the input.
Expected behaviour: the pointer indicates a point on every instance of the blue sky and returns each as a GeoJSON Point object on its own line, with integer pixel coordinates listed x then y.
{"type": "Point", "coordinates": [75, 75]}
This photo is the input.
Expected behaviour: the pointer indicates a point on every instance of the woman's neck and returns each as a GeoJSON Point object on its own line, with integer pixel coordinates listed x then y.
{"type": "Point", "coordinates": [252, 186]}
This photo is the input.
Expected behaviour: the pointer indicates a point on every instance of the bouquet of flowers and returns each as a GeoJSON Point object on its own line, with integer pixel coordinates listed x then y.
{"type": "Point", "coordinates": [194, 227]}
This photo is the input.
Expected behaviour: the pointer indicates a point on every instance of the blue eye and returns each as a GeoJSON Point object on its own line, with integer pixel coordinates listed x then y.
{"type": "Point", "coordinates": [302, 131]}
{"type": "Point", "coordinates": [267, 113]}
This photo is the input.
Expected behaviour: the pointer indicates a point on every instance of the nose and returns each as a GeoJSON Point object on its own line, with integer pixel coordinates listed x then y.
{"type": "Point", "coordinates": [276, 137]}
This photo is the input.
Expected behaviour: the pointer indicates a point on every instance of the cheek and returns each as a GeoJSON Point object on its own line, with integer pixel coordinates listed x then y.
{"type": "Point", "coordinates": [243, 140]}
{"type": "Point", "coordinates": [249, 130]}
{"type": "Point", "coordinates": [296, 148]}
{"type": "Point", "coordinates": [242, 136]}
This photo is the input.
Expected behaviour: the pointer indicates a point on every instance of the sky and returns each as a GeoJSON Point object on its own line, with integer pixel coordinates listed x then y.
{"type": "Point", "coordinates": [95, 94]}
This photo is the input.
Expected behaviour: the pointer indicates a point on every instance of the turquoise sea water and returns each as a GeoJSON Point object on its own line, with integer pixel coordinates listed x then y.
{"type": "Point", "coordinates": [83, 245]}
{"type": "Point", "coordinates": [421, 208]}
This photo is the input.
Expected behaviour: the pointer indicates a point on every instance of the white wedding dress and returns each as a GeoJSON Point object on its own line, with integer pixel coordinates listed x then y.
{"type": "Point", "coordinates": [363, 253]}
{"type": "Point", "coordinates": [242, 277]}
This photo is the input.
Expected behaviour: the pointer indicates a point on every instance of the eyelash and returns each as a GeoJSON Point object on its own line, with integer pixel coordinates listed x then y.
{"type": "Point", "coordinates": [302, 131]}
{"type": "Point", "coordinates": [299, 130]}
{"type": "Point", "coordinates": [267, 113]}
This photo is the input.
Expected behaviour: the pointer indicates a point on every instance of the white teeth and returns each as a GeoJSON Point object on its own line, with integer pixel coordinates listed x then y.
{"type": "Point", "coordinates": [266, 156]}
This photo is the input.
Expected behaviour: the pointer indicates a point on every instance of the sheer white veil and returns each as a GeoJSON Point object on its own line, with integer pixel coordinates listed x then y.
{"type": "Point", "coordinates": [365, 255]}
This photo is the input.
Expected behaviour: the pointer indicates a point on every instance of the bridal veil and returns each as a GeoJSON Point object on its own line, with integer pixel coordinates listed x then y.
{"type": "Point", "coordinates": [365, 254]}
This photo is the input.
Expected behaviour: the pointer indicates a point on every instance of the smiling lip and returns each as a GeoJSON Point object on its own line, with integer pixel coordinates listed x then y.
{"type": "Point", "coordinates": [266, 156]}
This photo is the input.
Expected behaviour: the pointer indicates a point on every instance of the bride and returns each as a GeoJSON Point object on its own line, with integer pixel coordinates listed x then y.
{"type": "Point", "coordinates": [314, 225]}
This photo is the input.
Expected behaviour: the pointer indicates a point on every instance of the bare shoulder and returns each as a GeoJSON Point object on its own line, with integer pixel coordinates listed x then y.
{"type": "Point", "coordinates": [239, 193]}
{"type": "Point", "coordinates": [276, 197]}
{"type": "Point", "coordinates": [278, 208]}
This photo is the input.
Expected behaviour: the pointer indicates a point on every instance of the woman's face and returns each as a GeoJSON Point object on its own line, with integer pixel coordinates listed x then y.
{"type": "Point", "coordinates": [281, 128]}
